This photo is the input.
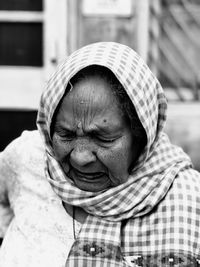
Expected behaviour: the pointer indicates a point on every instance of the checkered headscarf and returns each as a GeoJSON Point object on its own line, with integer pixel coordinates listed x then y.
{"type": "Point", "coordinates": [100, 238]}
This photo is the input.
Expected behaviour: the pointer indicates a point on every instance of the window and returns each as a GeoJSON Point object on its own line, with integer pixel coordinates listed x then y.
{"type": "Point", "coordinates": [28, 5]}
{"type": "Point", "coordinates": [21, 44]}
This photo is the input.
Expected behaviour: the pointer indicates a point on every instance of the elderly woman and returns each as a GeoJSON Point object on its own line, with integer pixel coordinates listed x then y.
{"type": "Point", "coordinates": [101, 185]}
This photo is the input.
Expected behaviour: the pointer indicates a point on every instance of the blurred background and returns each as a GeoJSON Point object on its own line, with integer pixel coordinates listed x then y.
{"type": "Point", "coordinates": [36, 34]}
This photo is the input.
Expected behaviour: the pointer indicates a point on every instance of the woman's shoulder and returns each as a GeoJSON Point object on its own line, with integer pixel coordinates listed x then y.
{"type": "Point", "coordinates": [186, 189]}
{"type": "Point", "coordinates": [188, 179]}
{"type": "Point", "coordinates": [22, 164]}
{"type": "Point", "coordinates": [26, 150]}
{"type": "Point", "coordinates": [27, 140]}
{"type": "Point", "coordinates": [28, 145]}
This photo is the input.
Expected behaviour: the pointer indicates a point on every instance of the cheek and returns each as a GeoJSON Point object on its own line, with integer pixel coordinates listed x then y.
{"type": "Point", "coordinates": [117, 160]}
{"type": "Point", "coordinates": [61, 149]}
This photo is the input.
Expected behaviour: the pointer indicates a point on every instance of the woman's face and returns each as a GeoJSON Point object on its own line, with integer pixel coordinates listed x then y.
{"type": "Point", "coordinates": [92, 141]}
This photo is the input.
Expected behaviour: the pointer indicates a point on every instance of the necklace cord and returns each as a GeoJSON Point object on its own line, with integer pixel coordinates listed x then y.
{"type": "Point", "coordinates": [73, 216]}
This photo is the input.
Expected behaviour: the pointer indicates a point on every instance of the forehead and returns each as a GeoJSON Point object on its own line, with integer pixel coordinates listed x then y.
{"type": "Point", "coordinates": [90, 100]}
{"type": "Point", "coordinates": [90, 91]}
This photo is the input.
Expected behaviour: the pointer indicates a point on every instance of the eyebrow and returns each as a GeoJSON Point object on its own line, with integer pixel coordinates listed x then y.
{"type": "Point", "coordinates": [97, 130]}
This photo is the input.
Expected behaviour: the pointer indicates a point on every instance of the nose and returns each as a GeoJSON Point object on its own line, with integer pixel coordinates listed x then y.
{"type": "Point", "coordinates": [82, 155]}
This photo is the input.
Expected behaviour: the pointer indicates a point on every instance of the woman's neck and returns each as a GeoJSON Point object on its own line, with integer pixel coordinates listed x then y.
{"type": "Point", "coordinates": [77, 213]}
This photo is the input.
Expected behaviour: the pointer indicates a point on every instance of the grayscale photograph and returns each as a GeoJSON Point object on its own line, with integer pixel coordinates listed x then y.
{"type": "Point", "coordinates": [99, 133]}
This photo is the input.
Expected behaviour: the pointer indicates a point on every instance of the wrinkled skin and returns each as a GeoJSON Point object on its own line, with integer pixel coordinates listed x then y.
{"type": "Point", "coordinates": [91, 139]}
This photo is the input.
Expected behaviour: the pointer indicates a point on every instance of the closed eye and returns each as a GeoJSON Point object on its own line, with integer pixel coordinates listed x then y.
{"type": "Point", "coordinates": [102, 138]}
{"type": "Point", "coordinates": [105, 140]}
{"type": "Point", "coordinates": [65, 134]}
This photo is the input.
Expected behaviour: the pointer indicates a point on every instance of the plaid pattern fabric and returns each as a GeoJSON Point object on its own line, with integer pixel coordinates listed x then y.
{"type": "Point", "coordinates": [150, 179]}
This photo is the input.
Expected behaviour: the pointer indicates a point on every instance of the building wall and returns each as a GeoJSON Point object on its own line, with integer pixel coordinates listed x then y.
{"type": "Point", "coordinates": [183, 128]}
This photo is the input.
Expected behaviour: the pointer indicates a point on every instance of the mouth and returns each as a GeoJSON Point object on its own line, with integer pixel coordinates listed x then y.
{"type": "Point", "coordinates": [88, 175]}
{"type": "Point", "coordinates": [89, 181]}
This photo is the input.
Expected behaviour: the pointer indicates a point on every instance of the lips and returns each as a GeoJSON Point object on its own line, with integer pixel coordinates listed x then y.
{"type": "Point", "coordinates": [86, 175]}
{"type": "Point", "coordinates": [90, 181]}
